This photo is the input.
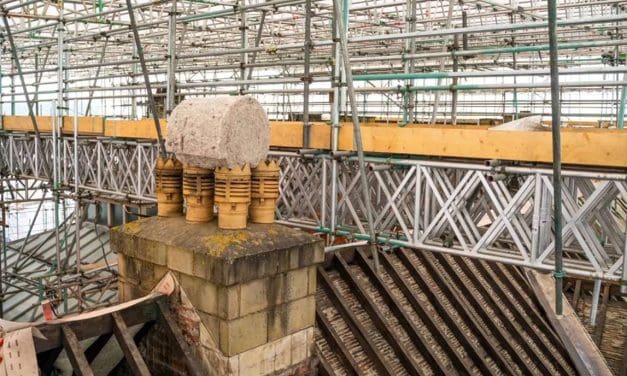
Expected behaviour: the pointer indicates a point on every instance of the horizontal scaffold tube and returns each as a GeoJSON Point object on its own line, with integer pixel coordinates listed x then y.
{"type": "Point", "coordinates": [530, 72]}
{"type": "Point", "coordinates": [495, 51]}
{"type": "Point", "coordinates": [396, 240]}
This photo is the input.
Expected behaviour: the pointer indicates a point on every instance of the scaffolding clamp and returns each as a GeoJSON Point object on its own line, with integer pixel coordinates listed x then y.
{"type": "Point", "coordinates": [271, 49]}
{"type": "Point", "coordinates": [559, 274]}
{"type": "Point", "coordinates": [307, 78]}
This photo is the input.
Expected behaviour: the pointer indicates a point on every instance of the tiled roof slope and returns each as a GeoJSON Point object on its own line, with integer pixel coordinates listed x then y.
{"type": "Point", "coordinates": [431, 314]}
{"type": "Point", "coordinates": [610, 331]}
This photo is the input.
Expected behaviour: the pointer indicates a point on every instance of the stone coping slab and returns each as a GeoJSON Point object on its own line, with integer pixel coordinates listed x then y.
{"type": "Point", "coordinates": [223, 257]}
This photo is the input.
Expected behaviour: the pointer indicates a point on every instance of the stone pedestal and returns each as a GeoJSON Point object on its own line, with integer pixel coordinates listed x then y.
{"type": "Point", "coordinates": [252, 291]}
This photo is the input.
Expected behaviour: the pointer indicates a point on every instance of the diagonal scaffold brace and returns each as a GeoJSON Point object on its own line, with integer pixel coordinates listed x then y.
{"type": "Point", "coordinates": [142, 63]}
{"type": "Point", "coordinates": [365, 186]}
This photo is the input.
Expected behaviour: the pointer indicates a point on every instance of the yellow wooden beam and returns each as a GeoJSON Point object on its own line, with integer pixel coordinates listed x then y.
{"type": "Point", "coordinates": [87, 125]}
{"type": "Point", "coordinates": [594, 147]}
{"type": "Point", "coordinates": [289, 134]}
{"type": "Point", "coordinates": [143, 128]}
{"type": "Point", "coordinates": [580, 146]}
{"type": "Point", "coordinates": [24, 123]}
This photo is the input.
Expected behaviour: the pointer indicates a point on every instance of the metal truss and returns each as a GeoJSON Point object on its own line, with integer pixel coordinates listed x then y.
{"type": "Point", "coordinates": [106, 166]}
{"type": "Point", "coordinates": [16, 190]}
{"type": "Point", "coordinates": [494, 213]}
{"type": "Point", "coordinates": [499, 212]}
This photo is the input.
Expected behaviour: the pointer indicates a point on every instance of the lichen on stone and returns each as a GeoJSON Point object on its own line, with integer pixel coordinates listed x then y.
{"type": "Point", "coordinates": [131, 228]}
{"type": "Point", "coordinates": [217, 244]}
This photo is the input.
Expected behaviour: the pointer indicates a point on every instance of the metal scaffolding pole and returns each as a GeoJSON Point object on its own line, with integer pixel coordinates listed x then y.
{"type": "Point", "coordinates": [3, 240]}
{"type": "Point", "coordinates": [307, 78]}
{"type": "Point", "coordinates": [409, 64]}
{"type": "Point", "coordinates": [171, 72]}
{"type": "Point", "coordinates": [253, 57]}
{"type": "Point", "coordinates": [557, 155]}
{"type": "Point", "coordinates": [365, 186]}
{"type": "Point", "coordinates": [18, 66]}
{"type": "Point", "coordinates": [60, 70]}
{"type": "Point", "coordinates": [77, 208]}
{"type": "Point", "coordinates": [436, 99]}
{"type": "Point", "coordinates": [244, 43]}
{"type": "Point", "coordinates": [335, 122]}
{"type": "Point", "coordinates": [142, 62]}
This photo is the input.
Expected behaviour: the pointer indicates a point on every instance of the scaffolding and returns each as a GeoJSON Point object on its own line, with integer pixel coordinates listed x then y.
{"type": "Point", "coordinates": [400, 62]}
{"type": "Point", "coordinates": [414, 61]}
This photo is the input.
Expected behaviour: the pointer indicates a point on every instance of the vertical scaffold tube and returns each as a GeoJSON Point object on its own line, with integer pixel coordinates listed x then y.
{"type": "Point", "coordinates": [365, 186]}
{"type": "Point", "coordinates": [557, 149]}
{"type": "Point", "coordinates": [307, 75]}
